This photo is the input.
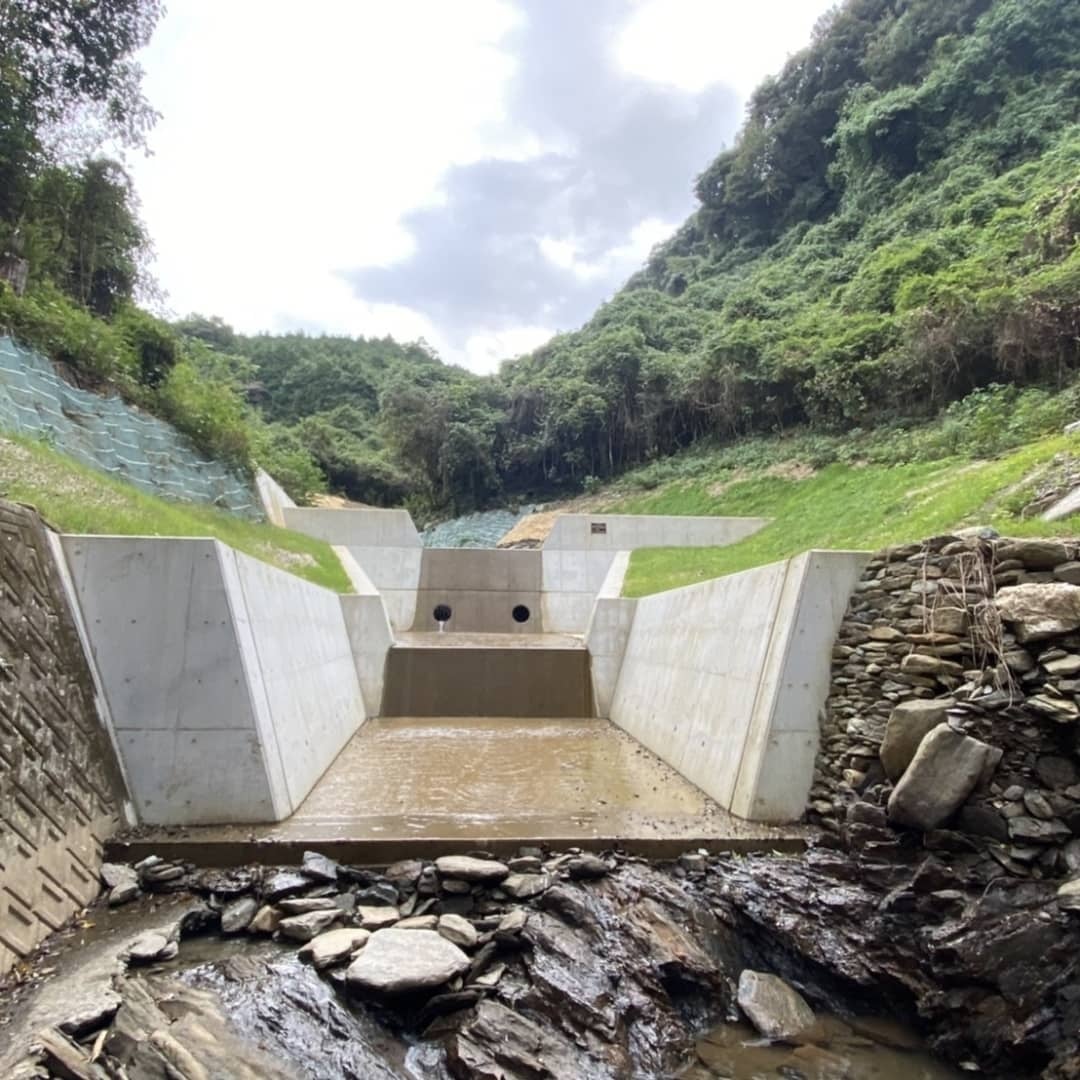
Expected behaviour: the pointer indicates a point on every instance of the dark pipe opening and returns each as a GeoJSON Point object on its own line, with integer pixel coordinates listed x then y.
{"type": "Point", "coordinates": [521, 613]}
{"type": "Point", "coordinates": [442, 613]}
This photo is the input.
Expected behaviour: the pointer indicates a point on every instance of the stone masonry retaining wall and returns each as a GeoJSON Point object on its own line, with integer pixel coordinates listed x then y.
{"type": "Point", "coordinates": [60, 790]}
{"type": "Point", "coordinates": [982, 635]}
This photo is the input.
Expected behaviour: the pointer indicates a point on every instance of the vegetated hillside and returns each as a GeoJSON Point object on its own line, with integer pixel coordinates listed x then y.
{"type": "Point", "coordinates": [997, 458]}
{"type": "Point", "coordinates": [77, 499]}
{"type": "Point", "coordinates": [896, 225]}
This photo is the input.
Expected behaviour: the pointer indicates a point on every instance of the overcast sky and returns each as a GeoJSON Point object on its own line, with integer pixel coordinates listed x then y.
{"type": "Point", "coordinates": [479, 173]}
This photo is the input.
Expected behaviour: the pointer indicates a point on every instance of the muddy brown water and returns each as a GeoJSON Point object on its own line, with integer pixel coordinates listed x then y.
{"type": "Point", "coordinates": [863, 1049]}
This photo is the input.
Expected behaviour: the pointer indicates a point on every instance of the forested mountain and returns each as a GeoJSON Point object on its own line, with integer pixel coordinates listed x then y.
{"type": "Point", "coordinates": [895, 225]}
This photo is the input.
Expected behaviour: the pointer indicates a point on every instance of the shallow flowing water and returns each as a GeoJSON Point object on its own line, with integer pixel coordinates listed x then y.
{"type": "Point", "coordinates": [863, 1049]}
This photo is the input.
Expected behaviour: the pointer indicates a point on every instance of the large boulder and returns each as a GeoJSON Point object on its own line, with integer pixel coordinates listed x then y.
{"type": "Point", "coordinates": [909, 723]}
{"type": "Point", "coordinates": [943, 773]}
{"type": "Point", "coordinates": [1040, 610]}
{"type": "Point", "coordinates": [777, 1010]}
{"type": "Point", "coordinates": [400, 961]}
{"type": "Point", "coordinates": [1034, 554]}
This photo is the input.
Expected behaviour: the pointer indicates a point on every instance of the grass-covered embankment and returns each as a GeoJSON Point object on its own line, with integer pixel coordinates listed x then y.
{"type": "Point", "coordinates": [76, 499]}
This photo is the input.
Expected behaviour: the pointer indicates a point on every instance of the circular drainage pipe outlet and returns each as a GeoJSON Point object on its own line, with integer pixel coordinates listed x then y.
{"type": "Point", "coordinates": [521, 613]}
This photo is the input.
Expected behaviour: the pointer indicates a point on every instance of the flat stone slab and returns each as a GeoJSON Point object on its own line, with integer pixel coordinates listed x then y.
{"type": "Point", "coordinates": [399, 961]}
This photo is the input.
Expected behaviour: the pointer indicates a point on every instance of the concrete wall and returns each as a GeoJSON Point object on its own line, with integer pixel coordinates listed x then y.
{"type": "Point", "coordinates": [724, 680]}
{"type": "Point", "coordinates": [273, 498]}
{"type": "Point", "coordinates": [482, 588]}
{"type": "Point", "coordinates": [625, 532]}
{"type": "Point", "coordinates": [608, 632]}
{"type": "Point", "coordinates": [485, 680]}
{"type": "Point", "coordinates": [61, 793]}
{"type": "Point", "coordinates": [384, 543]}
{"type": "Point", "coordinates": [231, 684]}
{"type": "Point", "coordinates": [579, 551]}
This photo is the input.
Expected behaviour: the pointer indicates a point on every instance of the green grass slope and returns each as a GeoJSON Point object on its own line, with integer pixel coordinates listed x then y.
{"type": "Point", "coordinates": [77, 499]}
{"type": "Point", "coordinates": [982, 463]}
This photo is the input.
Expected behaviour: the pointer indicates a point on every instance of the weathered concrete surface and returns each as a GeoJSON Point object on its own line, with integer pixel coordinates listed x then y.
{"type": "Point", "coordinates": [384, 543]}
{"type": "Point", "coordinates": [231, 684]}
{"type": "Point", "coordinates": [627, 532]}
{"type": "Point", "coordinates": [273, 497]}
{"type": "Point", "coordinates": [481, 675]}
{"type": "Point", "coordinates": [608, 632]}
{"type": "Point", "coordinates": [61, 793]}
{"type": "Point", "coordinates": [724, 680]}
{"type": "Point", "coordinates": [493, 783]}
{"type": "Point", "coordinates": [482, 588]}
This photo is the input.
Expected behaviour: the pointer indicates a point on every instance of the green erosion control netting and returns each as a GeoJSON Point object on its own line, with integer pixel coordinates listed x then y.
{"type": "Point", "coordinates": [482, 530]}
{"type": "Point", "coordinates": [107, 434]}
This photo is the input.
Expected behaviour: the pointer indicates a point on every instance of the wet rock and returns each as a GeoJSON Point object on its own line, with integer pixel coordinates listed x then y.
{"type": "Point", "coordinates": [1032, 830]}
{"type": "Point", "coordinates": [455, 887]}
{"type": "Point", "coordinates": [982, 821]}
{"type": "Point", "coordinates": [266, 921]}
{"type": "Point", "coordinates": [458, 930]}
{"type": "Point", "coordinates": [65, 1059]}
{"type": "Point", "coordinates": [909, 723]}
{"type": "Point", "coordinates": [1037, 806]}
{"type": "Point", "coordinates": [525, 886]}
{"type": "Point", "coordinates": [319, 867]}
{"type": "Point", "coordinates": [418, 922]}
{"type": "Point", "coordinates": [333, 946]}
{"type": "Point", "coordinates": [124, 893]}
{"type": "Point", "coordinates": [1068, 896]}
{"type": "Point", "coordinates": [525, 864]}
{"type": "Point", "coordinates": [381, 892]}
{"type": "Point", "coordinates": [511, 925]}
{"type": "Point", "coordinates": [777, 1010]}
{"type": "Point", "coordinates": [404, 874]}
{"type": "Point", "coordinates": [944, 772]}
{"type": "Point", "coordinates": [284, 883]}
{"type": "Point", "coordinates": [695, 863]}
{"type": "Point", "coordinates": [148, 947]}
{"type": "Point", "coordinates": [376, 918]}
{"type": "Point", "coordinates": [400, 961]}
{"type": "Point", "coordinates": [467, 868]}
{"type": "Point", "coordinates": [236, 917]}
{"type": "Point", "coordinates": [119, 875]}
{"type": "Point", "coordinates": [1040, 611]}
{"type": "Point", "coordinates": [303, 904]}
{"type": "Point", "coordinates": [428, 882]}
{"type": "Point", "coordinates": [305, 927]}
{"type": "Point", "coordinates": [1055, 771]}
{"type": "Point", "coordinates": [585, 867]}
{"type": "Point", "coordinates": [1059, 709]}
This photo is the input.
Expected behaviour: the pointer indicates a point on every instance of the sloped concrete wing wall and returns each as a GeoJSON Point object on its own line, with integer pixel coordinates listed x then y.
{"type": "Point", "coordinates": [61, 793]}
{"type": "Point", "coordinates": [384, 543]}
{"type": "Point", "coordinates": [724, 680]}
{"type": "Point", "coordinates": [231, 684]}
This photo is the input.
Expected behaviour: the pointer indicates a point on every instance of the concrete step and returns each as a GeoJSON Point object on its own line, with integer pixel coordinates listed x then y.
{"type": "Point", "coordinates": [536, 675]}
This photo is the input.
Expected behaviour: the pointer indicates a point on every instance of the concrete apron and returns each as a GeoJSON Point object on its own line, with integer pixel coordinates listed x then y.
{"type": "Point", "coordinates": [421, 787]}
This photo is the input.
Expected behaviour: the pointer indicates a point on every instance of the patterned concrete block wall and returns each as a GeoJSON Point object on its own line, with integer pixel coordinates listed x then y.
{"type": "Point", "coordinates": [107, 434]}
{"type": "Point", "coordinates": [60, 790]}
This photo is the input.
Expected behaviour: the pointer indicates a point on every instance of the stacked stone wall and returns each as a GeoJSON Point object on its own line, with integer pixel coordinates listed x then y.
{"type": "Point", "coordinates": [60, 791]}
{"type": "Point", "coordinates": [952, 722]}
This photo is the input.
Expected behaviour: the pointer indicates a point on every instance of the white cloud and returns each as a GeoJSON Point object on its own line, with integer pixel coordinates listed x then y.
{"type": "Point", "coordinates": [296, 140]}
{"type": "Point", "coordinates": [692, 44]}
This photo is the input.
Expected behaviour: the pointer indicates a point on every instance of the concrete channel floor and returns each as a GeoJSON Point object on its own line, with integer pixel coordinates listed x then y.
{"type": "Point", "coordinates": [427, 786]}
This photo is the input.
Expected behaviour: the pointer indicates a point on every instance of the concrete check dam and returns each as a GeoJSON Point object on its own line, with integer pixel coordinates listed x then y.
{"type": "Point", "coordinates": [455, 699]}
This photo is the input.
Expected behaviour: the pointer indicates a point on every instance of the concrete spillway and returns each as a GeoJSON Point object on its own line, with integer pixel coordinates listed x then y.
{"type": "Point", "coordinates": [540, 675]}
